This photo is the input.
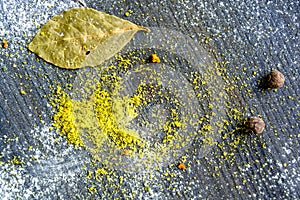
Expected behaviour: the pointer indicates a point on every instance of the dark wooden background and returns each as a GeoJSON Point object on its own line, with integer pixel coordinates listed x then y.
{"type": "Point", "coordinates": [254, 37]}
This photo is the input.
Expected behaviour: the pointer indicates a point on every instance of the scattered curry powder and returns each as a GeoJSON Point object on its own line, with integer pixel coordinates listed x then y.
{"type": "Point", "coordinates": [103, 121]}
{"type": "Point", "coordinates": [114, 115]}
{"type": "Point", "coordinates": [92, 190]}
{"type": "Point", "coordinates": [16, 160]}
{"type": "Point", "coordinates": [96, 120]}
{"type": "Point", "coordinates": [64, 119]}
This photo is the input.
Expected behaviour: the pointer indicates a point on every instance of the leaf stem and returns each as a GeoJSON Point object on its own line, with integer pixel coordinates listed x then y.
{"type": "Point", "coordinates": [142, 28]}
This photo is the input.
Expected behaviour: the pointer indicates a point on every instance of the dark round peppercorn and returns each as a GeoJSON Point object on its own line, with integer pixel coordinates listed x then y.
{"type": "Point", "coordinates": [275, 79]}
{"type": "Point", "coordinates": [256, 125]}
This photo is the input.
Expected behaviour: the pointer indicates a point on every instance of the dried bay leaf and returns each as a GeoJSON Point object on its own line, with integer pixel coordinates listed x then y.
{"type": "Point", "coordinates": [81, 37]}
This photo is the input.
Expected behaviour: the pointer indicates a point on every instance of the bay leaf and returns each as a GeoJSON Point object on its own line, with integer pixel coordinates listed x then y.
{"type": "Point", "coordinates": [80, 37]}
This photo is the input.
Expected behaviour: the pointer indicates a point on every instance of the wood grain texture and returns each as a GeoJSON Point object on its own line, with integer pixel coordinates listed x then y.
{"type": "Point", "coordinates": [253, 37]}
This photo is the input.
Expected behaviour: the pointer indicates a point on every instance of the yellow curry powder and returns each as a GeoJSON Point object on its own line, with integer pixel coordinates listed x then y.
{"type": "Point", "coordinates": [91, 122]}
{"type": "Point", "coordinates": [105, 122]}
{"type": "Point", "coordinates": [114, 116]}
{"type": "Point", "coordinates": [64, 117]}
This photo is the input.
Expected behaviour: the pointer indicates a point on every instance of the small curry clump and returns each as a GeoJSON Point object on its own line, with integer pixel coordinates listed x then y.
{"type": "Point", "coordinates": [182, 166]}
{"type": "Point", "coordinates": [154, 58]}
{"type": "Point", "coordinates": [4, 44]}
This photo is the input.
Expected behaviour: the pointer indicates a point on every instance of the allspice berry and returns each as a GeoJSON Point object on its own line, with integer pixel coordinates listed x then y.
{"type": "Point", "coordinates": [275, 79]}
{"type": "Point", "coordinates": [256, 125]}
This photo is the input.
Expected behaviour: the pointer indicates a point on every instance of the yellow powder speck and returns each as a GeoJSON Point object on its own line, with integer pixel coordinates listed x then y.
{"type": "Point", "coordinates": [89, 174]}
{"type": "Point", "coordinates": [22, 92]}
{"type": "Point", "coordinates": [127, 14]}
{"type": "Point", "coordinates": [121, 179]}
{"type": "Point", "coordinates": [92, 190]}
{"type": "Point", "coordinates": [99, 173]}
{"type": "Point", "coordinates": [284, 165]}
{"type": "Point", "coordinates": [16, 161]}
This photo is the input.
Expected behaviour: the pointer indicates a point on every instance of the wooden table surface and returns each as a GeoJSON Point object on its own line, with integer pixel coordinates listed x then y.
{"type": "Point", "coordinates": [250, 37]}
